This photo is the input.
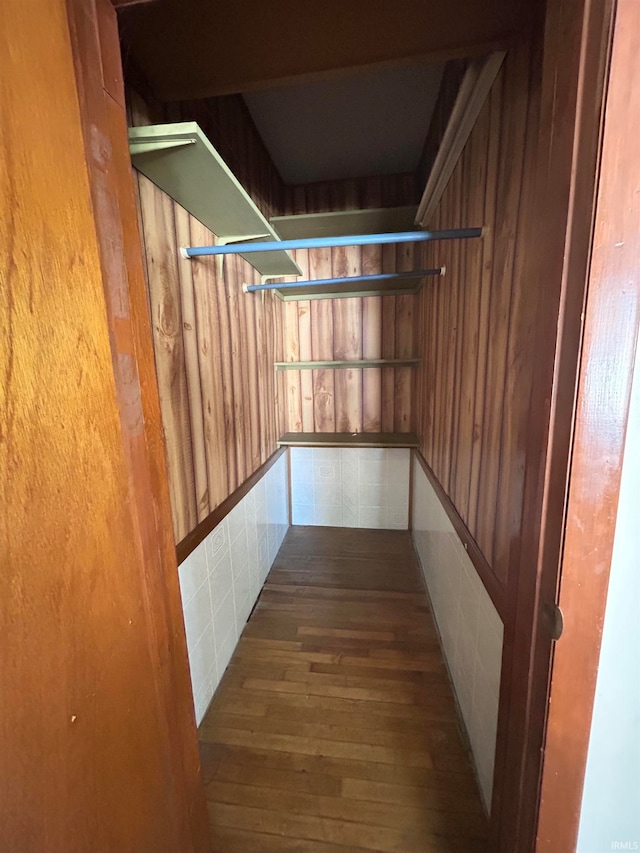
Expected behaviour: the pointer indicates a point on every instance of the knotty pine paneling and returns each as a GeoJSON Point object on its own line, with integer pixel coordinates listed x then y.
{"type": "Point", "coordinates": [214, 345]}
{"type": "Point", "coordinates": [475, 324]}
{"type": "Point", "coordinates": [371, 400]}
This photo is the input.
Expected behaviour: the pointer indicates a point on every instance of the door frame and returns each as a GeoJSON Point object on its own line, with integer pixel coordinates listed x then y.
{"type": "Point", "coordinates": [574, 66]}
{"type": "Point", "coordinates": [606, 373]}
{"type": "Point", "coordinates": [589, 319]}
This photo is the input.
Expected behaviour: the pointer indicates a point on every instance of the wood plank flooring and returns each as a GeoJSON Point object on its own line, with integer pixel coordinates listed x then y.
{"type": "Point", "coordinates": [334, 728]}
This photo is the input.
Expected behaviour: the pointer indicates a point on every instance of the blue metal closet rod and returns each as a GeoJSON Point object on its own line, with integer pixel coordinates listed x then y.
{"type": "Point", "coordinates": [346, 280]}
{"type": "Point", "coordinates": [331, 242]}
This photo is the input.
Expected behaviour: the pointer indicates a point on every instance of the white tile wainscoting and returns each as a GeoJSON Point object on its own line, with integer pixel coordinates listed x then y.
{"type": "Point", "coordinates": [221, 579]}
{"type": "Point", "coordinates": [350, 487]}
{"type": "Point", "coordinates": [470, 627]}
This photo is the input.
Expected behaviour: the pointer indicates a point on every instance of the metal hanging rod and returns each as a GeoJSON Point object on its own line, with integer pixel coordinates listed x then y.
{"type": "Point", "coordinates": [323, 282]}
{"type": "Point", "coordinates": [331, 242]}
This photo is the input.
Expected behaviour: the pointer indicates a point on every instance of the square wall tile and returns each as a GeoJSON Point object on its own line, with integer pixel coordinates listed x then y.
{"type": "Point", "coordinates": [197, 615]}
{"type": "Point", "coordinates": [327, 472]}
{"type": "Point", "coordinates": [353, 482]}
{"type": "Point", "coordinates": [217, 543]}
{"type": "Point", "coordinates": [326, 454]}
{"type": "Point", "coordinates": [192, 573]}
{"type": "Point", "coordinates": [302, 492]}
{"type": "Point", "coordinates": [328, 516]}
{"type": "Point", "coordinates": [221, 579]}
{"type": "Point", "coordinates": [201, 658]}
{"type": "Point", "coordinates": [302, 514]}
{"type": "Point", "coordinates": [224, 619]}
{"type": "Point", "coordinates": [236, 521]}
{"type": "Point", "coordinates": [371, 472]}
{"type": "Point", "coordinates": [327, 494]}
{"type": "Point", "coordinates": [469, 625]}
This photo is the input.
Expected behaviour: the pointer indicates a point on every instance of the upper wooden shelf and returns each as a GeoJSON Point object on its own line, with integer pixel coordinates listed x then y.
{"type": "Point", "coordinates": [181, 161]}
{"type": "Point", "coordinates": [348, 439]}
{"type": "Point", "coordinates": [342, 223]}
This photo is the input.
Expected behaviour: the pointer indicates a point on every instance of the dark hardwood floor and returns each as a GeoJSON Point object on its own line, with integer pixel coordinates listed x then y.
{"type": "Point", "coordinates": [334, 727]}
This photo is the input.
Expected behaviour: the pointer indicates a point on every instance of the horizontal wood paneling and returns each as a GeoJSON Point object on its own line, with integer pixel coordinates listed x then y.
{"type": "Point", "coordinates": [473, 384]}
{"type": "Point", "coordinates": [371, 327]}
{"type": "Point", "coordinates": [215, 346]}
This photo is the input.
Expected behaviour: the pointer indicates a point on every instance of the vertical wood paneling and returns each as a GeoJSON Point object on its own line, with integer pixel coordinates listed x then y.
{"type": "Point", "coordinates": [252, 387]}
{"type": "Point", "coordinates": [347, 261]}
{"type": "Point", "coordinates": [475, 338]}
{"type": "Point", "coordinates": [509, 185]}
{"type": "Point", "coordinates": [222, 405]}
{"type": "Point", "coordinates": [371, 344]}
{"type": "Point", "coordinates": [304, 338]}
{"type": "Point", "coordinates": [166, 321]}
{"type": "Point", "coordinates": [324, 412]}
{"type": "Point", "coordinates": [211, 382]}
{"type": "Point", "coordinates": [520, 358]}
{"type": "Point", "coordinates": [192, 366]}
{"type": "Point", "coordinates": [292, 349]}
{"type": "Point", "coordinates": [475, 166]}
{"type": "Point", "coordinates": [493, 116]}
{"type": "Point", "coordinates": [372, 327]}
{"type": "Point", "coordinates": [404, 344]}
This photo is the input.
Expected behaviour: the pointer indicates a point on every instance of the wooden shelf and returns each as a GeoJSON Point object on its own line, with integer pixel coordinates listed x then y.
{"type": "Point", "coordinates": [347, 439]}
{"type": "Point", "coordinates": [374, 220]}
{"type": "Point", "coordinates": [347, 365]}
{"type": "Point", "coordinates": [391, 287]}
{"type": "Point", "coordinates": [181, 161]}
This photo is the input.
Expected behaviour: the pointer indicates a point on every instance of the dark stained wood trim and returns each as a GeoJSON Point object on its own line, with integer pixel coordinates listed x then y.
{"type": "Point", "coordinates": [94, 42]}
{"type": "Point", "coordinates": [199, 533]}
{"type": "Point", "coordinates": [495, 589]}
{"type": "Point", "coordinates": [606, 373]}
{"type": "Point", "coordinates": [573, 69]}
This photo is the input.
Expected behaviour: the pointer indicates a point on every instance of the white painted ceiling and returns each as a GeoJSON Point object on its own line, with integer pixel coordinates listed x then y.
{"type": "Point", "coordinates": [369, 123]}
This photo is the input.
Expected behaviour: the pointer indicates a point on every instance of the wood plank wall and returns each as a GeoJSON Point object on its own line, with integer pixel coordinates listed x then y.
{"type": "Point", "coordinates": [372, 400]}
{"type": "Point", "coordinates": [450, 84]}
{"type": "Point", "coordinates": [214, 345]}
{"type": "Point", "coordinates": [475, 324]}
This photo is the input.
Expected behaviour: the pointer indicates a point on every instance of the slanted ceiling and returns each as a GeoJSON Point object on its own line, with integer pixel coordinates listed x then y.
{"type": "Point", "coordinates": [190, 49]}
{"type": "Point", "coordinates": [371, 123]}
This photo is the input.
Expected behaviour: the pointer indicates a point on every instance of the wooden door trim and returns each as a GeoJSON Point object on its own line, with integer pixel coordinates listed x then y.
{"type": "Point", "coordinates": [575, 58]}
{"type": "Point", "coordinates": [96, 55]}
{"type": "Point", "coordinates": [606, 372]}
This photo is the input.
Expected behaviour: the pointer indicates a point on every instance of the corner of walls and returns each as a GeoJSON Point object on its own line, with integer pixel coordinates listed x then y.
{"type": "Point", "coordinates": [350, 487]}
{"type": "Point", "coordinates": [469, 625]}
{"type": "Point", "coordinates": [221, 579]}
